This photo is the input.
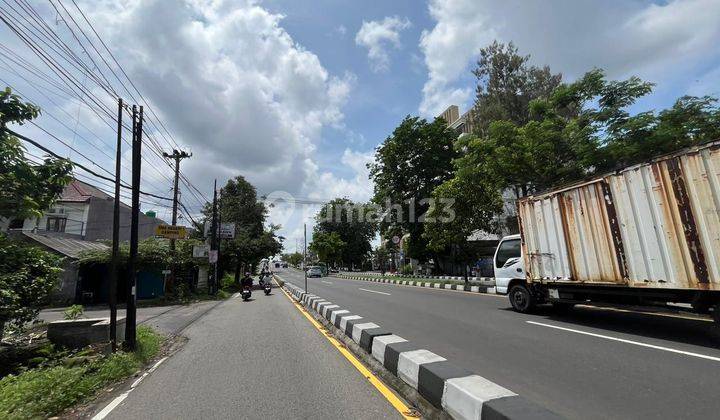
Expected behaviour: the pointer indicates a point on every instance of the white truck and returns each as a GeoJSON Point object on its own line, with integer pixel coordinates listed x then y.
{"type": "Point", "coordinates": [644, 235]}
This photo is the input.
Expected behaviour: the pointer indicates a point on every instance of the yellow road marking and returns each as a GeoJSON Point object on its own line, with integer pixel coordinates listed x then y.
{"type": "Point", "coordinates": [393, 399]}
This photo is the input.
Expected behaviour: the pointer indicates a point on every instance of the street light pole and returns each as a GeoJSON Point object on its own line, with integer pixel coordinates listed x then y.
{"type": "Point", "coordinates": [305, 255]}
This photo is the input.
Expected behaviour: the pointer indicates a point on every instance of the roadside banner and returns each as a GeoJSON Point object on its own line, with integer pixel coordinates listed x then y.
{"type": "Point", "coordinates": [171, 232]}
{"type": "Point", "coordinates": [213, 256]}
{"type": "Point", "coordinates": [225, 230]}
{"type": "Point", "coordinates": [201, 251]}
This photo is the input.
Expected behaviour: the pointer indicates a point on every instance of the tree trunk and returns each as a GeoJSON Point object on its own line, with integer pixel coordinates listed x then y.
{"type": "Point", "coordinates": [237, 274]}
{"type": "Point", "coordinates": [2, 328]}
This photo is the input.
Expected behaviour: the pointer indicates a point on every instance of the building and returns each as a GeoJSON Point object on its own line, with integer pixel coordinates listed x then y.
{"type": "Point", "coordinates": [464, 123]}
{"type": "Point", "coordinates": [84, 212]}
{"type": "Point", "coordinates": [80, 220]}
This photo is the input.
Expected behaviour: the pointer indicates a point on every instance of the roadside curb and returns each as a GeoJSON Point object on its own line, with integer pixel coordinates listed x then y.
{"type": "Point", "coordinates": [429, 284]}
{"type": "Point", "coordinates": [454, 391]}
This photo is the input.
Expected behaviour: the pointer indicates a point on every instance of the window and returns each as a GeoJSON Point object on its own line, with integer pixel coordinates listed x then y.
{"type": "Point", "coordinates": [56, 224]}
{"type": "Point", "coordinates": [508, 249]}
{"type": "Point", "coordinates": [16, 224]}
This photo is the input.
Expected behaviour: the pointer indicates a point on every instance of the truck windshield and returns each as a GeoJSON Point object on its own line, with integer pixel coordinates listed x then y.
{"type": "Point", "coordinates": [508, 249]}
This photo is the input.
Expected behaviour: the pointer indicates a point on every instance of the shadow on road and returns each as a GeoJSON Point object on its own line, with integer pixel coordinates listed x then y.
{"type": "Point", "coordinates": [657, 326]}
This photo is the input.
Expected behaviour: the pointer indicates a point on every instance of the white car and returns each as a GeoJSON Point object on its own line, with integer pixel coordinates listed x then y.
{"type": "Point", "coordinates": [314, 272]}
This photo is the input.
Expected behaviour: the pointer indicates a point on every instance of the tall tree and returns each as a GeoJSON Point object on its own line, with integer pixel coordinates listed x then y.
{"type": "Point", "coordinates": [408, 166]}
{"type": "Point", "coordinates": [506, 84]}
{"type": "Point", "coordinates": [328, 247]}
{"type": "Point", "coordinates": [27, 188]}
{"type": "Point", "coordinates": [353, 223]}
{"type": "Point", "coordinates": [238, 204]}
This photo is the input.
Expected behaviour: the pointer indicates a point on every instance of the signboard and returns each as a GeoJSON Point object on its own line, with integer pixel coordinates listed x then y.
{"type": "Point", "coordinates": [171, 232]}
{"type": "Point", "coordinates": [201, 251]}
{"type": "Point", "coordinates": [213, 256]}
{"type": "Point", "coordinates": [225, 230]}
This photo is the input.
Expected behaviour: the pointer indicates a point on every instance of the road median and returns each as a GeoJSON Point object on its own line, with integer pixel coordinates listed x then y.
{"type": "Point", "coordinates": [439, 388]}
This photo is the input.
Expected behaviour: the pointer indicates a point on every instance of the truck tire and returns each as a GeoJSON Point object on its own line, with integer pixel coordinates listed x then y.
{"type": "Point", "coordinates": [521, 299]}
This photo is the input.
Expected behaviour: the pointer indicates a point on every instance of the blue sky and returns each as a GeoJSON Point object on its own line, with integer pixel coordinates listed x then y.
{"type": "Point", "coordinates": [295, 95]}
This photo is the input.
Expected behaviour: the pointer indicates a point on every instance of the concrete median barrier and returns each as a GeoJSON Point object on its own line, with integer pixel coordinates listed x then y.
{"type": "Point", "coordinates": [421, 376]}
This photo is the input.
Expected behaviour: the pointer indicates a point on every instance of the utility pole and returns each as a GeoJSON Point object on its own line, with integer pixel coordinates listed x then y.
{"type": "Point", "coordinates": [130, 327]}
{"type": "Point", "coordinates": [213, 240]}
{"type": "Point", "coordinates": [177, 156]}
{"type": "Point", "coordinates": [116, 234]}
{"type": "Point", "coordinates": [305, 255]}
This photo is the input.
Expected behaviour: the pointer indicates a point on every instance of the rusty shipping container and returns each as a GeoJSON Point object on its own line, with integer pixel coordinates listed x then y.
{"type": "Point", "coordinates": [653, 225]}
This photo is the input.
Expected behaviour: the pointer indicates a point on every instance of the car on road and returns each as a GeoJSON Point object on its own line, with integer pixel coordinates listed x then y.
{"type": "Point", "coordinates": [314, 272]}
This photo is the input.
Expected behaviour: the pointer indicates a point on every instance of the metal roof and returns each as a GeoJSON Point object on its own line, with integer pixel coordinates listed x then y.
{"type": "Point", "coordinates": [66, 246]}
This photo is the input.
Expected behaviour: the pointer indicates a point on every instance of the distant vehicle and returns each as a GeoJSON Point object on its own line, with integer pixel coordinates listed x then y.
{"type": "Point", "coordinates": [314, 271]}
{"type": "Point", "coordinates": [644, 235]}
{"type": "Point", "coordinates": [284, 265]}
{"type": "Point", "coordinates": [334, 270]}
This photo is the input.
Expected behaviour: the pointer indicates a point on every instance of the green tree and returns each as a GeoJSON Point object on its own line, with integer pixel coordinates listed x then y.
{"type": "Point", "coordinates": [382, 257]}
{"type": "Point", "coordinates": [27, 188]}
{"type": "Point", "coordinates": [506, 84]}
{"type": "Point", "coordinates": [354, 224]}
{"type": "Point", "coordinates": [408, 166]}
{"type": "Point", "coordinates": [238, 203]}
{"type": "Point", "coordinates": [328, 246]}
{"type": "Point", "coordinates": [28, 275]}
{"type": "Point", "coordinates": [294, 258]}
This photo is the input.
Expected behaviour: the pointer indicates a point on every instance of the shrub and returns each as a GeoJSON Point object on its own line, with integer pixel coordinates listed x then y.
{"type": "Point", "coordinates": [74, 312]}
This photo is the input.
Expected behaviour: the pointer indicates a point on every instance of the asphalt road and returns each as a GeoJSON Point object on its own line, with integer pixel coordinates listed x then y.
{"type": "Point", "coordinates": [255, 360]}
{"type": "Point", "coordinates": [567, 370]}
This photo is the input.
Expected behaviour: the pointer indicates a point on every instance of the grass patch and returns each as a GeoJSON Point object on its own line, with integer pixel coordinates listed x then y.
{"type": "Point", "coordinates": [46, 391]}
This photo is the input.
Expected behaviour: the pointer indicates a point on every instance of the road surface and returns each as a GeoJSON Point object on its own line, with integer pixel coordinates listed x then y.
{"type": "Point", "coordinates": [551, 358]}
{"type": "Point", "coordinates": [255, 360]}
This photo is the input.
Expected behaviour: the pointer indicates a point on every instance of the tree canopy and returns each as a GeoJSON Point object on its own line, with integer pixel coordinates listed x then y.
{"type": "Point", "coordinates": [27, 188]}
{"type": "Point", "coordinates": [408, 166]}
{"type": "Point", "coordinates": [354, 225]}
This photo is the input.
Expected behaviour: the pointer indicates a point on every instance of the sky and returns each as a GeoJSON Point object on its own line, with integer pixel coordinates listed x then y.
{"type": "Point", "coordinates": [295, 95]}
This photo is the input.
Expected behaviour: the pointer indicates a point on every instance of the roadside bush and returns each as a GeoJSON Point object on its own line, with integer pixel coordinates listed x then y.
{"type": "Point", "coordinates": [47, 391]}
{"type": "Point", "coordinates": [406, 269]}
{"type": "Point", "coordinates": [28, 275]}
{"type": "Point", "coordinates": [74, 312]}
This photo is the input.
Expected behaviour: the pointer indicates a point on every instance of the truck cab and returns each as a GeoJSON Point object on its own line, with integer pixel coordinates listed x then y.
{"type": "Point", "coordinates": [508, 263]}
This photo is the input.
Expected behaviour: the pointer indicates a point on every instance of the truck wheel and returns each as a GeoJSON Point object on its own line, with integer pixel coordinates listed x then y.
{"type": "Point", "coordinates": [521, 299]}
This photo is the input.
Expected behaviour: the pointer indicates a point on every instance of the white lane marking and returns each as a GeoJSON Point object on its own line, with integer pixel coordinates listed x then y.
{"type": "Point", "coordinates": [114, 403]}
{"type": "Point", "coordinates": [326, 282]}
{"type": "Point", "coordinates": [110, 407]}
{"type": "Point", "coordinates": [373, 291]}
{"type": "Point", "coordinates": [637, 343]}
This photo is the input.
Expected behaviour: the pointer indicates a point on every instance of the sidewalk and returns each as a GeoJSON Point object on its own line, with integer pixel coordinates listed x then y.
{"type": "Point", "coordinates": [165, 319]}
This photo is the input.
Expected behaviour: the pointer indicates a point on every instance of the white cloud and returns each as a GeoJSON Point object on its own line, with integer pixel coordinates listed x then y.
{"type": "Point", "coordinates": [377, 36]}
{"type": "Point", "coordinates": [665, 42]}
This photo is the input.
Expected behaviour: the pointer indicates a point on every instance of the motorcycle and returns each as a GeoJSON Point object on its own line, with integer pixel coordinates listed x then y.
{"type": "Point", "coordinates": [267, 288]}
{"type": "Point", "coordinates": [245, 294]}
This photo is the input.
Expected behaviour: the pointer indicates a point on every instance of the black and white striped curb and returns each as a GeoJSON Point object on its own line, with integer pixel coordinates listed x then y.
{"type": "Point", "coordinates": [448, 286]}
{"type": "Point", "coordinates": [419, 276]}
{"type": "Point", "coordinates": [457, 391]}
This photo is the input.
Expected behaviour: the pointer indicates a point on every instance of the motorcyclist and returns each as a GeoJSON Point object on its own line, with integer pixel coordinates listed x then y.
{"type": "Point", "coordinates": [246, 281]}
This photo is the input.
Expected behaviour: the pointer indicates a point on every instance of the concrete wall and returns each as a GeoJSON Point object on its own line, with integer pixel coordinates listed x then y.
{"type": "Point", "coordinates": [100, 218]}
